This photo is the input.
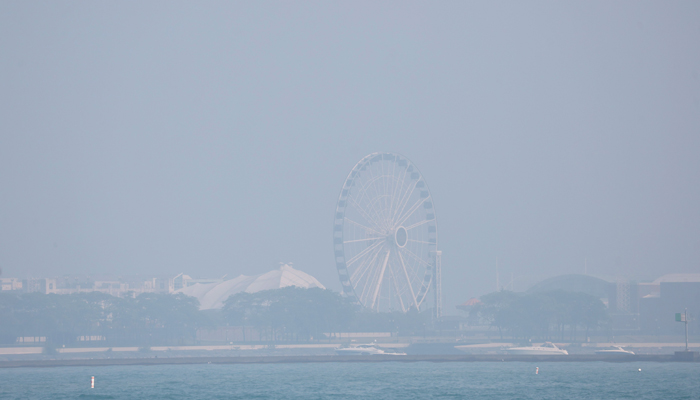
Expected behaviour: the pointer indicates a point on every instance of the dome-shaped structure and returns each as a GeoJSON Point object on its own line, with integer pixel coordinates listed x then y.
{"type": "Point", "coordinates": [213, 295]}
{"type": "Point", "coordinates": [573, 283]}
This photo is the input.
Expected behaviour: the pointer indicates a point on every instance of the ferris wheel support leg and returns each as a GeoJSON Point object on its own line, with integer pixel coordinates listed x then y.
{"type": "Point", "coordinates": [437, 284]}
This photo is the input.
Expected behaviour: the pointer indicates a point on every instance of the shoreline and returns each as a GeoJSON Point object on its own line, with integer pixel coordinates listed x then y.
{"type": "Point", "coordinates": [685, 357]}
{"type": "Point", "coordinates": [402, 346]}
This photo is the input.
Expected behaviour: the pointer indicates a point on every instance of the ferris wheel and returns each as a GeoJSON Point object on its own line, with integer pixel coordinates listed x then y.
{"type": "Point", "coordinates": [385, 235]}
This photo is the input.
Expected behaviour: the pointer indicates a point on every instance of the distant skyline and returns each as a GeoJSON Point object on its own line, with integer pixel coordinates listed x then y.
{"type": "Point", "coordinates": [214, 138]}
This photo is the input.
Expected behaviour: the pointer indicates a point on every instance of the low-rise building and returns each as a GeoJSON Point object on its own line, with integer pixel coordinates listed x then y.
{"type": "Point", "coordinates": [10, 284]}
{"type": "Point", "coordinates": [41, 285]}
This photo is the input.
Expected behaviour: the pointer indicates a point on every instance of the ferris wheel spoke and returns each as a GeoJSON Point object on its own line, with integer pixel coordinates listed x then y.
{"type": "Point", "coordinates": [362, 254]}
{"type": "Point", "coordinates": [370, 191]}
{"type": "Point", "coordinates": [397, 187]}
{"type": "Point", "coordinates": [413, 255]}
{"type": "Point", "coordinates": [364, 277]}
{"type": "Point", "coordinates": [372, 183]}
{"type": "Point", "coordinates": [367, 276]}
{"type": "Point", "coordinates": [364, 193]}
{"type": "Point", "coordinates": [402, 196]}
{"type": "Point", "coordinates": [367, 213]}
{"type": "Point", "coordinates": [363, 212]}
{"type": "Point", "coordinates": [377, 205]}
{"type": "Point", "coordinates": [381, 278]}
{"type": "Point", "coordinates": [408, 281]}
{"type": "Point", "coordinates": [364, 266]}
{"type": "Point", "coordinates": [390, 188]}
{"type": "Point", "coordinates": [361, 240]}
{"type": "Point", "coordinates": [394, 280]}
{"type": "Point", "coordinates": [417, 224]}
{"type": "Point", "coordinates": [383, 190]}
{"type": "Point", "coordinates": [372, 280]}
{"type": "Point", "coordinates": [411, 210]}
{"type": "Point", "coordinates": [419, 241]}
{"type": "Point", "coordinates": [380, 201]}
{"type": "Point", "coordinates": [404, 200]}
{"type": "Point", "coordinates": [398, 197]}
{"type": "Point", "coordinates": [363, 301]}
{"type": "Point", "coordinates": [369, 280]}
{"type": "Point", "coordinates": [403, 180]}
{"type": "Point", "coordinates": [390, 208]}
{"type": "Point", "coordinates": [362, 226]}
{"type": "Point", "coordinates": [399, 180]}
{"type": "Point", "coordinates": [389, 184]}
{"type": "Point", "coordinates": [384, 198]}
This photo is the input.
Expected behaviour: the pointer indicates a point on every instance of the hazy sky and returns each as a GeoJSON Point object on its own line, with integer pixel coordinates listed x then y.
{"type": "Point", "coordinates": [214, 137]}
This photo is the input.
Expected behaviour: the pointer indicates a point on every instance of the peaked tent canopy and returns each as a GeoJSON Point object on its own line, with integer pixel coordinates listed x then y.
{"type": "Point", "coordinates": [213, 295]}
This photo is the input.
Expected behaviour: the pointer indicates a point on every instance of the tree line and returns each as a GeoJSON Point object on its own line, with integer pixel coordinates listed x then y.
{"type": "Point", "coordinates": [147, 319]}
{"type": "Point", "coordinates": [297, 314]}
{"type": "Point", "coordinates": [287, 314]}
{"type": "Point", "coordinates": [542, 315]}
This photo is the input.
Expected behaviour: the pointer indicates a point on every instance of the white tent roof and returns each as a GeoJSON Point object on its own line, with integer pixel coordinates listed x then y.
{"type": "Point", "coordinates": [213, 295]}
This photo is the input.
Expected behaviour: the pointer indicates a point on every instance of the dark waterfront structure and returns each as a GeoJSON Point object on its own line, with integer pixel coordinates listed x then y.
{"type": "Point", "coordinates": [657, 314]}
{"type": "Point", "coordinates": [646, 308]}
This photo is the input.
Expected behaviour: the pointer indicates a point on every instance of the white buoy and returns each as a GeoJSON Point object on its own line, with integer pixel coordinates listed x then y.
{"type": "Point", "coordinates": [92, 383]}
{"type": "Point", "coordinates": [537, 370]}
{"type": "Point", "coordinates": [640, 370]}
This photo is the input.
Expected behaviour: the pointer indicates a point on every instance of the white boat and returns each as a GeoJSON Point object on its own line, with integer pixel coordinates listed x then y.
{"type": "Point", "coordinates": [614, 350]}
{"type": "Point", "coordinates": [546, 349]}
{"type": "Point", "coordinates": [363, 350]}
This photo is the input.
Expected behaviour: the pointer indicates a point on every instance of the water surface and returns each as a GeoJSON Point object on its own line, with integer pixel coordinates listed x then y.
{"type": "Point", "coordinates": [480, 380]}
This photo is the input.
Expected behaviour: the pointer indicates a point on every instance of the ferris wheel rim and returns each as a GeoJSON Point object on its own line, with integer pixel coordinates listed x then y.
{"type": "Point", "coordinates": [399, 232]}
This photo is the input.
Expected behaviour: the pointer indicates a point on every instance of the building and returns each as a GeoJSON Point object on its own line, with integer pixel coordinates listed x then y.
{"type": "Point", "coordinates": [10, 284]}
{"type": "Point", "coordinates": [183, 281]}
{"type": "Point", "coordinates": [211, 292]}
{"type": "Point", "coordinates": [638, 307]}
{"type": "Point", "coordinates": [41, 285]}
{"type": "Point", "coordinates": [671, 294]}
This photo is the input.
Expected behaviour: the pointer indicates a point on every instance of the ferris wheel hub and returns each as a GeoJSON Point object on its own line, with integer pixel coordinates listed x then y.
{"type": "Point", "coordinates": [401, 237]}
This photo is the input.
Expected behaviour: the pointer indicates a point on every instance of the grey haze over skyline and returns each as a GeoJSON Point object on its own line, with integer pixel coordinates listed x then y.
{"type": "Point", "coordinates": [213, 138]}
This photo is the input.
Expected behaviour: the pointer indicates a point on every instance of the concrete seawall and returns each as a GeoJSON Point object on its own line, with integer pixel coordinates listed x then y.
{"type": "Point", "coordinates": [687, 357]}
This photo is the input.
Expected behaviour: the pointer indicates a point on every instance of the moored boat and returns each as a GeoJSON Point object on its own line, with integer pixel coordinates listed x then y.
{"type": "Point", "coordinates": [364, 350]}
{"type": "Point", "coordinates": [547, 349]}
{"type": "Point", "coordinates": [614, 350]}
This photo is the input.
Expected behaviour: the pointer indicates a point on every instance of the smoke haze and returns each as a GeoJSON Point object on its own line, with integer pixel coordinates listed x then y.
{"type": "Point", "coordinates": [213, 138]}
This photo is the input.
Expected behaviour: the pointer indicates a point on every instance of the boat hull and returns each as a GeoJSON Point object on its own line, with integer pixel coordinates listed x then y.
{"type": "Point", "coordinates": [358, 352]}
{"type": "Point", "coordinates": [615, 352]}
{"type": "Point", "coordinates": [537, 352]}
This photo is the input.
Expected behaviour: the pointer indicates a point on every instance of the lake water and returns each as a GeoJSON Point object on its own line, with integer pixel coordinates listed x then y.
{"type": "Point", "coordinates": [481, 380]}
